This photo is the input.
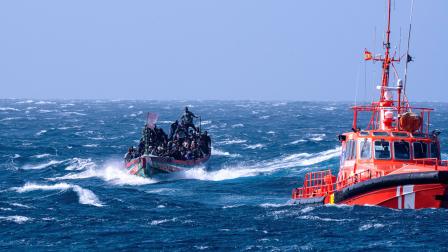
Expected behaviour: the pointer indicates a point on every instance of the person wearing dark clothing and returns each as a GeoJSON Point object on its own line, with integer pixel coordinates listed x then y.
{"type": "Point", "coordinates": [187, 119]}
{"type": "Point", "coordinates": [129, 154]}
{"type": "Point", "coordinates": [205, 143]}
{"type": "Point", "coordinates": [173, 129]}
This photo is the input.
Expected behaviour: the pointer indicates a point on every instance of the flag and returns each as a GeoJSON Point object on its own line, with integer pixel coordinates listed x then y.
{"type": "Point", "coordinates": [367, 55]}
{"type": "Point", "coordinates": [151, 120]}
{"type": "Point", "coordinates": [409, 58]}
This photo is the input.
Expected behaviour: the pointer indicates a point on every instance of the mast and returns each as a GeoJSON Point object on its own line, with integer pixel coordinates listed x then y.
{"type": "Point", "coordinates": [387, 60]}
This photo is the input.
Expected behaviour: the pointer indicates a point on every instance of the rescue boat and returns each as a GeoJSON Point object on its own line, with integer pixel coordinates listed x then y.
{"type": "Point", "coordinates": [394, 161]}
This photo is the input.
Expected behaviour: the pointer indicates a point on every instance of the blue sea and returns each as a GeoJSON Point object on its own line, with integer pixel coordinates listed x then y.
{"type": "Point", "coordinates": [63, 185]}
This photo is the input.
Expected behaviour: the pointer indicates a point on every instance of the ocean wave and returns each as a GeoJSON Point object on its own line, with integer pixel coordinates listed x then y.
{"type": "Point", "coordinates": [113, 173]}
{"type": "Point", "coordinates": [10, 119]}
{"type": "Point", "coordinates": [23, 102]}
{"type": "Point", "coordinates": [298, 141]}
{"type": "Point", "coordinates": [234, 172]}
{"type": "Point", "coordinates": [70, 113]}
{"type": "Point", "coordinates": [43, 165]}
{"type": "Point", "coordinates": [158, 222]}
{"type": "Point", "coordinates": [254, 146]}
{"type": "Point", "coordinates": [316, 137]}
{"type": "Point", "coordinates": [85, 196]}
{"type": "Point", "coordinates": [370, 226]}
{"type": "Point", "coordinates": [80, 164]}
{"type": "Point", "coordinates": [8, 109]}
{"type": "Point", "coordinates": [90, 145]}
{"type": "Point", "coordinates": [44, 102]}
{"type": "Point", "coordinates": [317, 218]}
{"type": "Point", "coordinates": [218, 152]}
{"type": "Point", "coordinates": [40, 133]}
{"type": "Point", "coordinates": [42, 155]}
{"type": "Point", "coordinates": [16, 218]}
{"type": "Point", "coordinates": [238, 125]}
{"type": "Point", "coordinates": [232, 141]}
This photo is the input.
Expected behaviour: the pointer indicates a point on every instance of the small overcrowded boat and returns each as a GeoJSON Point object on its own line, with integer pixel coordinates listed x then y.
{"type": "Point", "coordinates": [158, 152]}
{"type": "Point", "coordinates": [394, 161]}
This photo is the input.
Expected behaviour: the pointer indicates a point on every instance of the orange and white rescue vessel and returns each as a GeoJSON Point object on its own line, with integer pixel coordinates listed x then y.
{"type": "Point", "coordinates": [393, 162]}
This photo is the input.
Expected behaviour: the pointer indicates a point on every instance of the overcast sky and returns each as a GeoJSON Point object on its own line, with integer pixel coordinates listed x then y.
{"type": "Point", "coordinates": [232, 49]}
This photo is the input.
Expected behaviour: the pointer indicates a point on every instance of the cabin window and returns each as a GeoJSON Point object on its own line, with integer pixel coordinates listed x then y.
{"type": "Point", "coordinates": [380, 133]}
{"type": "Point", "coordinates": [350, 152]}
{"type": "Point", "coordinates": [420, 150]}
{"type": "Point", "coordinates": [402, 150]}
{"type": "Point", "coordinates": [419, 135]}
{"type": "Point", "coordinates": [400, 134]}
{"type": "Point", "coordinates": [382, 150]}
{"type": "Point", "coordinates": [364, 133]}
{"type": "Point", "coordinates": [434, 150]}
{"type": "Point", "coordinates": [365, 149]}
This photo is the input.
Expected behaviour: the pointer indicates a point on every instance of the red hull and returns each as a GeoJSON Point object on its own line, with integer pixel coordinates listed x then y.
{"type": "Point", "coordinates": [404, 197]}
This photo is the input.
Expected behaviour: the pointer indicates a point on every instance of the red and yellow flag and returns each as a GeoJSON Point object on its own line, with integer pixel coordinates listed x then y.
{"type": "Point", "coordinates": [367, 55]}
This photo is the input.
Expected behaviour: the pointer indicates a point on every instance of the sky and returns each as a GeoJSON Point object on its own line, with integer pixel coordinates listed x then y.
{"type": "Point", "coordinates": [208, 50]}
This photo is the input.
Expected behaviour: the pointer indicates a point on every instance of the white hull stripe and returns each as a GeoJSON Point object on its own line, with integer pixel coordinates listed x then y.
{"type": "Point", "coordinates": [405, 197]}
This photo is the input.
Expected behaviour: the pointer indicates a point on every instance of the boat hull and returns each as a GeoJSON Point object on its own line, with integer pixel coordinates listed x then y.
{"type": "Point", "coordinates": [400, 191]}
{"type": "Point", "coordinates": [148, 166]}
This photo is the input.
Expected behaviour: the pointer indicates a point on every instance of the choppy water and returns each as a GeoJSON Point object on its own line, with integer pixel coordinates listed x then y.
{"type": "Point", "coordinates": [62, 185]}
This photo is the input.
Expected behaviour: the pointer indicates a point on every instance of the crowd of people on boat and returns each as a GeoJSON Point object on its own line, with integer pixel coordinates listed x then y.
{"type": "Point", "coordinates": [184, 142]}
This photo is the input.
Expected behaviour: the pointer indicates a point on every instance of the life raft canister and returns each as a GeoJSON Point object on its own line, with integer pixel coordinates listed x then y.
{"type": "Point", "coordinates": [410, 122]}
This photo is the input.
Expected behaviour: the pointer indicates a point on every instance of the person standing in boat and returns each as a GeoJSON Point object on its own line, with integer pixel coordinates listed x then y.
{"type": "Point", "coordinates": [187, 119]}
{"type": "Point", "coordinates": [173, 129]}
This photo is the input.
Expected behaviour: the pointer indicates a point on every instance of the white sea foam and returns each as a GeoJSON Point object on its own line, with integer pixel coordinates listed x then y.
{"type": "Point", "coordinates": [44, 102]}
{"type": "Point", "coordinates": [42, 166]}
{"type": "Point", "coordinates": [41, 132]}
{"type": "Point", "coordinates": [317, 137]}
{"type": "Point", "coordinates": [45, 111]}
{"type": "Point", "coordinates": [298, 141]}
{"type": "Point", "coordinates": [369, 226]}
{"type": "Point", "coordinates": [254, 146]}
{"type": "Point", "coordinates": [329, 108]}
{"type": "Point", "coordinates": [70, 113]}
{"type": "Point", "coordinates": [112, 173]}
{"type": "Point", "coordinates": [238, 125]}
{"type": "Point", "coordinates": [80, 164]}
{"type": "Point", "coordinates": [157, 222]}
{"type": "Point", "coordinates": [264, 117]}
{"type": "Point", "coordinates": [272, 205]}
{"type": "Point", "coordinates": [233, 141]}
{"type": "Point", "coordinates": [42, 155]}
{"type": "Point", "coordinates": [19, 205]}
{"type": "Point", "coordinates": [218, 152]}
{"type": "Point", "coordinates": [233, 172]}
{"type": "Point", "coordinates": [23, 102]}
{"type": "Point", "coordinates": [313, 217]}
{"type": "Point", "coordinates": [86, 196]}
{"type": "Point", "coordinates": [16, 218]}
{"type": "Point", "coordinates": [90, 145]}
{"type": "Point", "coordinates": [8, 109]}
{"type": "Point", "coordinates": [206, 122]}
{"type": "Point", "coordinates": [10, 119]}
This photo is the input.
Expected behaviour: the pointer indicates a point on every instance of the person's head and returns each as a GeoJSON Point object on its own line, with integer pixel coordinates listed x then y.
{"type": "Point", "coordinates": [176, 122]}
{"type": "Point", "coordinates": [130, 149]}
{"type": "Point", "coordinates": [205, 132]}
{"type": "Point", "coordinates": [186, 109]}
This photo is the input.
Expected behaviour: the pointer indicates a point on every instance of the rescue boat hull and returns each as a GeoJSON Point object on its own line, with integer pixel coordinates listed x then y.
{"type": "Point", "coordinates": [149, 166]}
{"type": "Point", "coordinates": [399, 191]}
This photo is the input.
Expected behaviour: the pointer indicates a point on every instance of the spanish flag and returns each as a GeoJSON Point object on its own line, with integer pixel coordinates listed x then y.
{"type": "Point", "coordinates": [367, 55]}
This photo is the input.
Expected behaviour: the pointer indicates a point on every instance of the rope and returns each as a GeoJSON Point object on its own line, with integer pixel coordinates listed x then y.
{"type": "Point", "coordinates": [407, 51]}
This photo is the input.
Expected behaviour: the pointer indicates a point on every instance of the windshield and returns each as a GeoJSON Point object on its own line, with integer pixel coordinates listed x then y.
{"type": "Point", "coordinates": [401, 150]}
{"type": "Point", "coordinates": [382, 150]}
{"type": "Point", "coordinates": [420, 150]}
{"type": "Point", "coordinates": [365, 149]}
